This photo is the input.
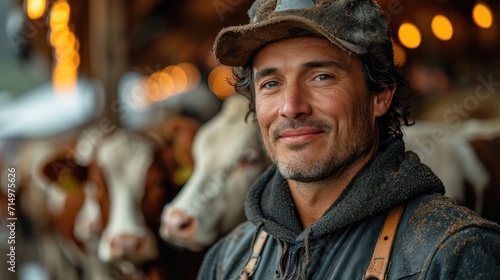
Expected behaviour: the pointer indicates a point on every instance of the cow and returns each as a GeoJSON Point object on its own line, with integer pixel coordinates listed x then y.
{"type": "Point", "coordinates": [48, 207]}
{"type": "Point", "coordinates": [195, 218]}
{"type": "Point", "coordinates": [107, 197]}
{"type": "Point", "coordinates": [229, 156]}
{"type": "Point", "coordinates": [452, 152]}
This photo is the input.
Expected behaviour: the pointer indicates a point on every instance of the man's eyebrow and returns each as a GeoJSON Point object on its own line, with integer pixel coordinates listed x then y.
{"type": "Point", "coordinates": [324, 63]}
{"type": "Point", "coordinates": [264, 72]}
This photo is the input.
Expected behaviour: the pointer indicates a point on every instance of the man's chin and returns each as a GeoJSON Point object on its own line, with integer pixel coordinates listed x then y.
{"type": "Point", "coordinates": [301, 172]}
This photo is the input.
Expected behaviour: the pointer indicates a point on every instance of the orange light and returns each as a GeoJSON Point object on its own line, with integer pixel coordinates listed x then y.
{"type": "Point", "coordinates": [64, 80]}
{"type": "Point", "coordinates": [442, 28]}
{"type": "Point", "coordinates": [179, 78]}
{"type": "Point", "coordinates": [61, 37]}
{"type": "Point", "coordinates": [409, 35]}
{"type": "Point", "coordinates": [69, 57]}
{"type": "Point", "coordinates": [59, 15]}
{"type": "Point", "coordinates": [217, 82]}
{"type": "Point", "coordinates": [482, 15]}
{"type": "Point", "coordinates": [66, 45]}
{"type": "Point", "coordinates": [193, 75]}
{"type": "Point", "coordinates": [35, 9]}
{"type": "Point", "coordinates": [64, 69]}
{"type": "Point", "coordinates": [159, 86]}
{"type": "Point", "coordinates": [153, 89]}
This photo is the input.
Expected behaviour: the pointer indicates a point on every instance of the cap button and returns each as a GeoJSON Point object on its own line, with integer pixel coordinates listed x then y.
{"type": "Point", "coordinates": [284, 5]}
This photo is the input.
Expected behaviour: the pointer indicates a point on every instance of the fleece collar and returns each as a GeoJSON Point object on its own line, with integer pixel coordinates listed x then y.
{"type": "Point", "coordinates": [390, 177]}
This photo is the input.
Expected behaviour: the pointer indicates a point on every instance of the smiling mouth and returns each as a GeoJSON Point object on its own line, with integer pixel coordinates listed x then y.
{"type": "Point", "coordinates": [299, 136]}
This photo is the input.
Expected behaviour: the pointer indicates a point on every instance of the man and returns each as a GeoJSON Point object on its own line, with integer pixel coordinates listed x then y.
{"type": "Point", "coordinates": [343, 200]}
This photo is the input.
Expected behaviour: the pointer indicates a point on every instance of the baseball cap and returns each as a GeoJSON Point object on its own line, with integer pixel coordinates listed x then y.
{"type": "Point", "coordinates": [356, 26]}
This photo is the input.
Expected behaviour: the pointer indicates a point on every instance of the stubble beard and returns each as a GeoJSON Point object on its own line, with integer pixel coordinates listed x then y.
{"type": "Point", "coordinates": [339, 156]}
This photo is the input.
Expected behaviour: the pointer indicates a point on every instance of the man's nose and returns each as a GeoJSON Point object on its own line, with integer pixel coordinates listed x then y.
{"type": "Point", "coordinates": [295, 102]}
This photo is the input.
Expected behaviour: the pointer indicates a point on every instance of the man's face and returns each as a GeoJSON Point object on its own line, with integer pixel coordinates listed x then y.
{"type": "Point", "coordinates": [313, 108]}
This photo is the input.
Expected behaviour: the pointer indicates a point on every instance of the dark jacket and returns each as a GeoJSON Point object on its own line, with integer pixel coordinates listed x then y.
{"type": "Point", "coordinates": [436, 239]}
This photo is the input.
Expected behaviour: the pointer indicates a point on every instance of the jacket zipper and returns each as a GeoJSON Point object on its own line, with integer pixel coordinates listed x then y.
{"type": "Point", "coordinates": [290, 262]}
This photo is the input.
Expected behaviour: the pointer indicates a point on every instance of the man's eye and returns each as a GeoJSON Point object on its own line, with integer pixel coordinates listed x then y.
{"type": "Point", "coordinates": [269, 84]}
{"type": "Point", "coordinates": [323, 77]}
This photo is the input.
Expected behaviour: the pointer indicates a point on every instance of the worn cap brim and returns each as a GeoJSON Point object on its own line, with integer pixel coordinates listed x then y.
{"type": "Point", "coordinates": [235, 45]}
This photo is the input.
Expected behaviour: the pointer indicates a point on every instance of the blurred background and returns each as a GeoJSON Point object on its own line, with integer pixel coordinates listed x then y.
{"type": "Point", "coordinates": [67, 65]}
{"type": "Point", "coordinates": [125, 60]}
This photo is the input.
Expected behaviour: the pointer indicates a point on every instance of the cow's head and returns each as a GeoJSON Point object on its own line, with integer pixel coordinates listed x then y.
{"type": "Point", "coordinates": [140, 174]}
{"type": "Point", "coordinates": [73, 201]}
{"type": "Point", "coordinates": [229, 156]}
{"type": "Point", "coordinates": [127, 162]}
{"type": "Point", "coordinates": [70, 204]}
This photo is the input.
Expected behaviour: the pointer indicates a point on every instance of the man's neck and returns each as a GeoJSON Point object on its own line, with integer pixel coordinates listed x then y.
{"type": "Point", "coordinates": [312, 199]}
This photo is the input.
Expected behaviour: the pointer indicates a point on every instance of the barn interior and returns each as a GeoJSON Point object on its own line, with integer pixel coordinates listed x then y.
{"type": "Point", "coordinates": [67, 65]}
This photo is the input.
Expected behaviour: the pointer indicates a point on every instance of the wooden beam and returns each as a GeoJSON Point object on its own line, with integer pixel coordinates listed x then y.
{"type": "Point", "coordinates": [109, 51]}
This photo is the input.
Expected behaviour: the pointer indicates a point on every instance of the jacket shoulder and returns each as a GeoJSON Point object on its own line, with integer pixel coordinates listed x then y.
{"type": "Point", "coordinates": [437, 216]}
{"type": "Point", "coordinates": [436, 234]}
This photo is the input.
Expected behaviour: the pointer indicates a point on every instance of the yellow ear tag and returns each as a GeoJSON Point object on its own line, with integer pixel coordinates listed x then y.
{"type": "Point", "coordinates": [182, 174]}
{"type": "Point", "coordinates": [67, 182]}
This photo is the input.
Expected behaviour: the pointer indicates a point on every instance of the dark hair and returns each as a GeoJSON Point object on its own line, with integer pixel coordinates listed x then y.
{"type": "Point", "coordinates": [378, 78]}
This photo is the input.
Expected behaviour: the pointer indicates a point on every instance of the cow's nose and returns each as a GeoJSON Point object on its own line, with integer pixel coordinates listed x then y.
{"type": "Point", "coordinates": [176, 224]}
{"type": "Point", "coordinates": [126, 245]}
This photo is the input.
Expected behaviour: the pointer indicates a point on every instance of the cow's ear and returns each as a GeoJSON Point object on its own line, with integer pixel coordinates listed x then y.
{"type": "Point", "coordinates": [65, 172]}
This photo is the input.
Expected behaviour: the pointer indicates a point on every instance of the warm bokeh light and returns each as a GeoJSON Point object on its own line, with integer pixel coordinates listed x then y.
{"type": "Point", "coordinates": [64, 71]}
{"type": "Point", "coordinates": [159, 86]}
{"type": "Point", "coordinates": [66, 45]}
{"type": "Point", "coordinates": [409, 35]}
{"type": "Point", "coordinates": [217, 82]}
{"type": "Point", "coordinates": [68, 57]}
{"type": "Point", "coordinates": [482, 15]}
{"type": "Point", "coordinates": [35, 9]}
{"type": "Point", "coordinates": [153, 90]}
{"type": "Point", "coordinates": [179, 78]}
{"type": "Point", "coordinates": [64, 79]}
{"type": "Point", "coordinates": [442, 27]}
{"type": "Point", "coordinates": [60, 37]}
{"type": "Point", "coordinates": [193, 75]}
{"type": "Point", "coordinates": [59, 14]}
{"type": "Point", "coordinates": [399, 54]}
{"type": "Point", "coordinates": [172, 80]}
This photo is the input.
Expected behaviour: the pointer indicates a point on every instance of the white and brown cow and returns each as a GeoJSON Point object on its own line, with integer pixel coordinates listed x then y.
{"type": "Point", "coordinates": [50, 203]}
{"type": "Point", "coordinates": [229, 156]}
{"type": "Point", "coordinates": [112, 196]}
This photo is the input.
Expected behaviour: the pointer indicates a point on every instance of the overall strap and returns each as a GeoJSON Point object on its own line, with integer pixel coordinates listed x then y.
{"type": "Point", "coordinates": [382, 253]}
{"type": "Point", "coordinates": [255, 257]}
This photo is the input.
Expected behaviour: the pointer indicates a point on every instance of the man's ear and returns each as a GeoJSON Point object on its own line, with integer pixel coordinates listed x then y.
{"type": "Point", "coordinates": [382, 101]}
